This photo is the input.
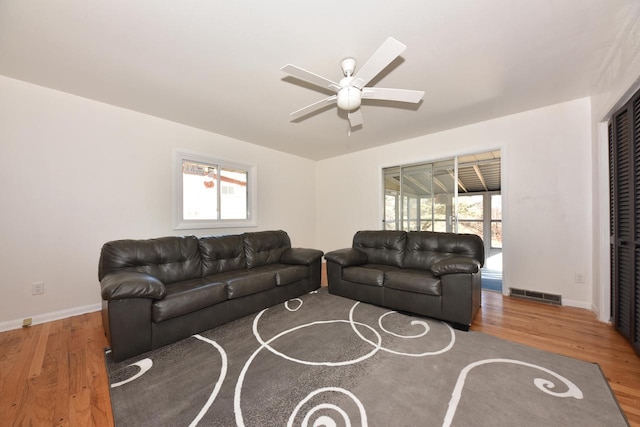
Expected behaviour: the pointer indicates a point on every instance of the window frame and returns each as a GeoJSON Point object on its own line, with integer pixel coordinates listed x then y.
{"type": "Point", "coordinates": [180, 223]}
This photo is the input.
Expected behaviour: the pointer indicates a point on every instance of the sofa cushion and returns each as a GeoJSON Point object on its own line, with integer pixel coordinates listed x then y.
{"type": "Point", "coordinates": [425, 248]}
{"type": "Point", "coordinates": [186, 297]}
{"type": "Point", "coordinates": [369, 274]}
{"type": "Point", "coordinates": [265, 247]}
{"type": "Point", "coordinates": [284, 274]}
{"type": "Point", "coordinates": [288, 274]}
{"type": "Point", "coordinates": [381, 247]}
{"type": "Point", "coordinates": [249, 282]}
{"type": "Point", "coordinates": [422, 282]}
{"type": "Point", "coordinates": [169, 259]}
{"type": "Point", "coordinates": [221, 253]}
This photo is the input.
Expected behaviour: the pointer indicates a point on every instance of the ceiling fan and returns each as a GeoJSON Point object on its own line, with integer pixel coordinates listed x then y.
{"type": "Point", "coordinates": [351, 89]}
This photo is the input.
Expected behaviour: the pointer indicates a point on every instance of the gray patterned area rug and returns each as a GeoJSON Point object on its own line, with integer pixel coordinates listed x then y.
{"type": "Point", "coordinates": [324, 360]}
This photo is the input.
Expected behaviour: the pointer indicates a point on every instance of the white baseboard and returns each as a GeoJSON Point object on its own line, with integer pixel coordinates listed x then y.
{"type": "Point", "coordinates": [578, 304]}
{"type": "Point", "coordinates": [49, 317]}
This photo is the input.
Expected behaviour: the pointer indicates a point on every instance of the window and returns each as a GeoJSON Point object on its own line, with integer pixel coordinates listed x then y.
{"type": "Point", "coordinates": [211, 193]}
{"type": "Point", "coordinates": [390, 210]}
{"type": "Point", "coordinates": [496, 221]}
{"type": "Point", "coordinates": [471, 214]}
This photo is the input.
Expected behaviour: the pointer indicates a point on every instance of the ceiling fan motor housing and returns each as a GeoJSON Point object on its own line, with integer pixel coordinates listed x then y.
{"type": "Point", "coordinates": [349, 97]}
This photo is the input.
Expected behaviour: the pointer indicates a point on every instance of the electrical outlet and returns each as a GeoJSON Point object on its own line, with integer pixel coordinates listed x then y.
{"type": "Point", "coordinates": [579, 278]}
{"type": "Point", "coordinates": [37, 288]}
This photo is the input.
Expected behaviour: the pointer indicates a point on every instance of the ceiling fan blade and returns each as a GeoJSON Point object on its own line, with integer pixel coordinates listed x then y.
{"type": "Point", "coordinates": [314, 107]}
{"type": "Point", "coordinates": [402, 95]}
{"type": "Point", "coordinates": [310, 77]}
{"type": "Point", "coordinates": [355, 118]}
{"type": "Point", "coordinates": [390, 50]}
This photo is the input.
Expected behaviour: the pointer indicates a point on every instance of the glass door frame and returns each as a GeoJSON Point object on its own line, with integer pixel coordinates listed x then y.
{"type": "Point", "coordinates": [402, 212]}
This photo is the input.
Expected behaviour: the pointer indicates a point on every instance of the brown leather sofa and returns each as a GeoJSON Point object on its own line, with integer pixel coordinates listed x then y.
{"type": "Point", "coordinates": [158, 291]}
{"type": "Point", "coordinates": [427, 273]}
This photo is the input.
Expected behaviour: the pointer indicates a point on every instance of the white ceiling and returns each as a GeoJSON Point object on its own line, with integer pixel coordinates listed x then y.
{"type": "Point", "coordinates": [215, 65]}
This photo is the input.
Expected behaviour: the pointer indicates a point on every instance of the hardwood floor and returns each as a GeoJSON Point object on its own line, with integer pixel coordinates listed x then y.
{"type": "Point", "coordinates": [53, 374]}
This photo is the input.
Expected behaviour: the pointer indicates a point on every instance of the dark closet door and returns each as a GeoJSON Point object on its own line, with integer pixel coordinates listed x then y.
{"type": "Point", "coordinates": [624, 158]}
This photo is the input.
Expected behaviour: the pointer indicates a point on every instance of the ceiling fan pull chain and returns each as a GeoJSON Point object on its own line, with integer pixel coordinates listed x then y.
{"type": "Point", "coordinates": [348, 115]}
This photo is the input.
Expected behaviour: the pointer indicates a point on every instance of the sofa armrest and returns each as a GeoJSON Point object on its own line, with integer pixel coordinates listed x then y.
{"type": "Point", "coordinates": [347, 257]}
{"type": "Point", "coordinates": [131, 284]}
{"type": "Point", "coordinates": [300, 256]}
{"type": "Point", "coordinates": [455, 265]}
{"type": "Point", "coordinates": [461, 298]}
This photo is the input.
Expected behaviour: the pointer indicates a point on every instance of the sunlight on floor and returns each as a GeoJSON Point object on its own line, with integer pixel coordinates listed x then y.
{"type": "Point", "coordinates": [492, 271]}
{"type": "Point", "coordinates": [494, 262]}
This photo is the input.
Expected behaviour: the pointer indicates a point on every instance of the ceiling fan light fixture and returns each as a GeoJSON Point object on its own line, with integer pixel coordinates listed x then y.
{"type": "Point", "coordinates": [348, 93]}
{"type": "Point", "coordinates": [349, 98]}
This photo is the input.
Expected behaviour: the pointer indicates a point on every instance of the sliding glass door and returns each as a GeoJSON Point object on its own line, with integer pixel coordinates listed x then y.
{"type": "Point", "coordinates": [421, 197]}
{"type": "Point", "coordinates": [458, 195]}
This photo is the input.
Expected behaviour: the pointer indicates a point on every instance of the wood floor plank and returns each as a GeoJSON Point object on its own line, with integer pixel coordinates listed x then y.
{"type": "Point", "coordinates": [41, 347]}
{"type": "Point", "coordinates": [80, 409]}
{"type": "Point", "coordinates": [14, 393]}
{"type": "Point", "coordinates": [99, 397]}
{"type": "Point", "coordinates": [59, 353]}
{"type": "Point", "coordinates": [66, 383]}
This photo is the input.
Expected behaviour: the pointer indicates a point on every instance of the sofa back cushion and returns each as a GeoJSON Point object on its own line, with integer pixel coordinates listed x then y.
{"type": "Point", "coordinates": [169, 259]}
{"type": "Point", "coordinates": [381, 246]}
{"type": "Point", "coordinates": [222, 253]}
{"type": "Point", "coordinates": [424, 248]}
{"type": "Point", "coordinates": [265, 247]}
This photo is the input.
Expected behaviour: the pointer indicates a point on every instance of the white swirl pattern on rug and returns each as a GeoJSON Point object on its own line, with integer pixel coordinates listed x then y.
{"type": "Point", "coordinates": [425, 325]}
{"type": "Point", "coordinates": [415, 322]}
{"type": "Point", "coordinates": [216, 388]}
{"type": "Point", "coordinates": [377, 346]}
{"type": "Point", "coordinates": [324, 420]}
{"type": "Point", "coordinates": [298, 300]}
{"type": "Point", "coordinates": [542, 384]}
{"type": "Point", "coordinates": [144, 365]}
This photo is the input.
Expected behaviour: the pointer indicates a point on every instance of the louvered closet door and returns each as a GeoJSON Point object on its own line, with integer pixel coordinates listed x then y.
{"type": "Point", "coordinates": [624, 156]}
{"type": "Point", "coordinates": [634, 294]}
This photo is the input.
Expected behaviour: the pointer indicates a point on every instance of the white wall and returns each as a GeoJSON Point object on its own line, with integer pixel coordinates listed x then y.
{"type": "Point", "coordinates": [75, 173]}
{"type": "Point", "coordinates": [618, 81]}
{"type": "Point", "coordinates": [547, 192]}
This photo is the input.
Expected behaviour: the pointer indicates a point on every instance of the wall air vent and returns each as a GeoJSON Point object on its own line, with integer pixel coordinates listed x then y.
{"type": "Point", "coordinates": [536, 296]}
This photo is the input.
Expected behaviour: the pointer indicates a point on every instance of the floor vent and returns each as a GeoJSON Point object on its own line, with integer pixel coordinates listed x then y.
{"type": "Point", "coordinates": [536, 296]}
